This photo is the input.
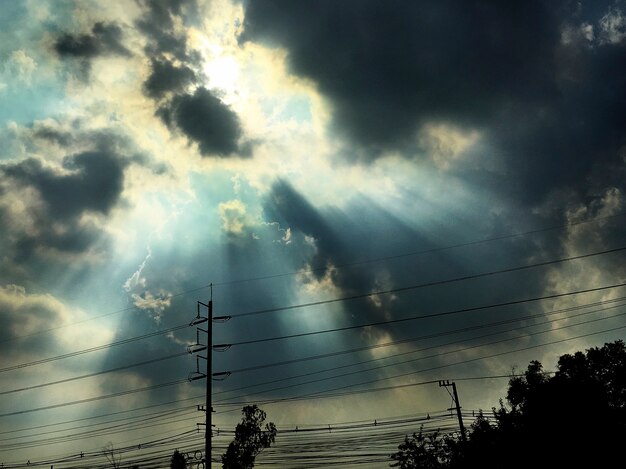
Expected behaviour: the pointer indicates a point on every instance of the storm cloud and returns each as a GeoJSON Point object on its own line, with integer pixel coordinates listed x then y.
{"type": "Point", "coordinates": [205, 120]}
{"type": "Point", "coordinates": [166, 77]}
{"type": "Point", "coordinates": [93, 182]}
{"type": "Point", "coordinates": [535, 78]}
{"type": "Point", "coordinates": [104, 39]}
{"type": "Point", "coordinates": [337, 260]}
{"type": "Point", "coordinates": [200, 115]}
{"type": "Point", "coordinates": [158, 24]}
{"type": "Point", "coordinates": [53, 210]}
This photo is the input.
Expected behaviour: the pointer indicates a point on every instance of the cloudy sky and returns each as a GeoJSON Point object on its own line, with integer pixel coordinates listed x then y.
{"type": "Point", "coordinates": [449, 164]}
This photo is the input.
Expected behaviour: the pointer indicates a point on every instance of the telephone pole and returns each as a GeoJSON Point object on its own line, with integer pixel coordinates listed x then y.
{"type": "Point", "coordinates": [209, 385]}
{"type": "Point", "coordinates": [209, 375]}
{"type": "Point", "coordinates": [199, 347]}
{"type": "Point", "coordinates": [455, 398]}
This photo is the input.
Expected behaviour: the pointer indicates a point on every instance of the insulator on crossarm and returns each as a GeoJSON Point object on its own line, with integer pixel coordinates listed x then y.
{"type": "Point", "coordinates": [221, 376]}
{"type": "Point", "coordinates": [198, 320]}
{"type": "Point", "coordinates": [195, 348]}
{"type": "Point", "coordinates": [221, 347]}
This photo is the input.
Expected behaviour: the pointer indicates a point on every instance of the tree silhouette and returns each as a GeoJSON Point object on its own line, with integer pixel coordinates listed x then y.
{"type": "Point", "coordinates": [250, 439]}
{"type": "Point", "coordinates": [575, 418]}
{"type": "Point", "coordinates": [113, 459]}
{"type": "Point", "coordinates": [423, 451]}
{"type": "Point", "coordinates": [178, 461]}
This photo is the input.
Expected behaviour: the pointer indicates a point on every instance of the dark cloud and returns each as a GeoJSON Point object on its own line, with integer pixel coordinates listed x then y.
{"type": "Point", "coordinates": [55, 210]}
{"type": "Point", "coordinates": [204, 119]}
{"type": "Point", "coordinates": [201, 116]}
{"type": "Point", "coordinates": [552, 106]}
{"type": "Point", "coordinates": [158, 25]}
{"type": "Point", "coordinates": [93, 182]}
{"type": "Point", "coordinates": [389, 66]}
{"type": "Point", "coordinates": [344, 239]}
{"type": "Point", "coordinates": [60, 137]}
{"type": "Point", "coordinates": [165, 77]}
{"type": "Point", "coordinates": [23, 314]}
{"type": "Point", "coordinates": [104, 39]}
{"type": "Point", "coordinates": [290, 208]}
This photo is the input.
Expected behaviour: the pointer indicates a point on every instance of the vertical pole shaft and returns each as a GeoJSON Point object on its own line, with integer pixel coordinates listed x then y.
{"type": "Point", "coordinates": [458, 412]}
{"type": "Point", "coordinates": [209, 385]}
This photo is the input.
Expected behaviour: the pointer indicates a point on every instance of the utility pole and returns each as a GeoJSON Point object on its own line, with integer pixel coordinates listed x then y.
{"type": "Point", "coordinates": [209, 375]}
{"type": "Point", "coordinates": [209, 385]}
{"type": "Point", "coordinates": [455, 398]}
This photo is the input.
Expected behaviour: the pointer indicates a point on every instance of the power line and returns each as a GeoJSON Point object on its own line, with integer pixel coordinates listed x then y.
{"type": "Point", "coordinates": [429, 336]}
{"type": "Point", "coordinates": [333, 300]}
{"type": "Point", "coordinates": [86, 456]}
{"type": "Point", "coordinates": [344, 374]}
{"type": "Point", "coordinates": [108, 414]}
{"type": "Point", "coordinates": [111, 430]}
{"type": "Point", "coordinates": [339, 266]}
{"type": "Point", "coordinates": [491, 377]}
{"type": "Point", "coordinates": [127, 392]}
{"type": "Point", "coordinates": [415, 253]}
{"type": "Point", "coordinates": [96, 398]}
{"type": "Point", "coordinates": [127, 421]}
{"type": "Point", "coordinates": [97, 373]}
{"type": "Point", "coordinates": [404, 353]}
{"type": "Point", "coordinates": [323, 394]}
{"type": "Point", "coordinates": [353, 433]}
{"type": "Point", "coordinates": [429, 284]}
{"type": "Point", "coordinates": [425, 316]}
{"type": "Point", "coordinates": [118, 394]}
{"type": "Point", "coordinates": [520, 318]}
{"type": "Point", "coordinates": [94, 349]}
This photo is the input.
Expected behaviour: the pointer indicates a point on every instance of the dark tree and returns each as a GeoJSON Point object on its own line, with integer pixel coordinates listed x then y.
{"type": "Point", "coordinates": [422, 451]}
{"type": "Point", "coordinates": [575, 418]}
{"type": "Point", "coordinates": [178, 461]}
{"type": "Point", "coordinates": [250, 439]}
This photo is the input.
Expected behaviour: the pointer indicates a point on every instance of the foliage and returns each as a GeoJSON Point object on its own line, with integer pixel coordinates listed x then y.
{"type": "Point", "coordinates": [575, 418]}
{"type": "Point", "coordinates": [113, 459]}
{"type": "Point", "coordinates": [178, 461]}
{"type": "Point", "coordinates": [423, 451]}
{"type": "Point", "coordinates": [250, 439]}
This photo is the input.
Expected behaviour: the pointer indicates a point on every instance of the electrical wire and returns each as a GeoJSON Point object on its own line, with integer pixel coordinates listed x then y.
{"type": "Point", "coordinates": [427, 284]}
{"type": "Point", "coordinates": [428, 336]}
{"type": "Point", "coordinates": [94, 349]}
{"type": "Point", "coordinates": [424, 316]}
{"type": "Point", "coordinates": [339, 266]}
{"type": "Point", "coordinates": [250, 313]}
{"type": "Point", "coordinates": [493, 355]}
{"type": "Point", "coordinates": [95, 398]}
{"type": "Point", "coordinates": [329, 393]}
{"type": "Point", "coordinates": [344, 374]}
{"type": "Point", "coordinates": [97, 373]}
{"type": "Point", "coordinates": [108, 414]}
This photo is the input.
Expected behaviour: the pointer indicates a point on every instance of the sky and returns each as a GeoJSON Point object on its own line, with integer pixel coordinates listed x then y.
{"type": "Point", "coordinates": [441, 180]}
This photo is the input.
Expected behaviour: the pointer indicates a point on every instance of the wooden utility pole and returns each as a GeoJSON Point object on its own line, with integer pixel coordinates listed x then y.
{"type": "Point", "coordinates": [455, 398]}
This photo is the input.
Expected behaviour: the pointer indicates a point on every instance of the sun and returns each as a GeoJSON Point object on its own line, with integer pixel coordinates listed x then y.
{"type": "Point", "coordinates": [223, 74]}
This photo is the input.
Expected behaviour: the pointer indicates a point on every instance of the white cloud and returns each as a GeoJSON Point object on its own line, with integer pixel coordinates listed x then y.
{"type": "Point", "coordinates": [613, 26]}
{"type": "Point", "coordinates": [20, 67]}
{"type": "Point", "coordinates": [234, 217]}
{"type": "Point", "coordinates": [144, 299]}
{"type": "Point", "coordinates": [586, 273]}
{"type": "Point", "coordinates": [445, 144]}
